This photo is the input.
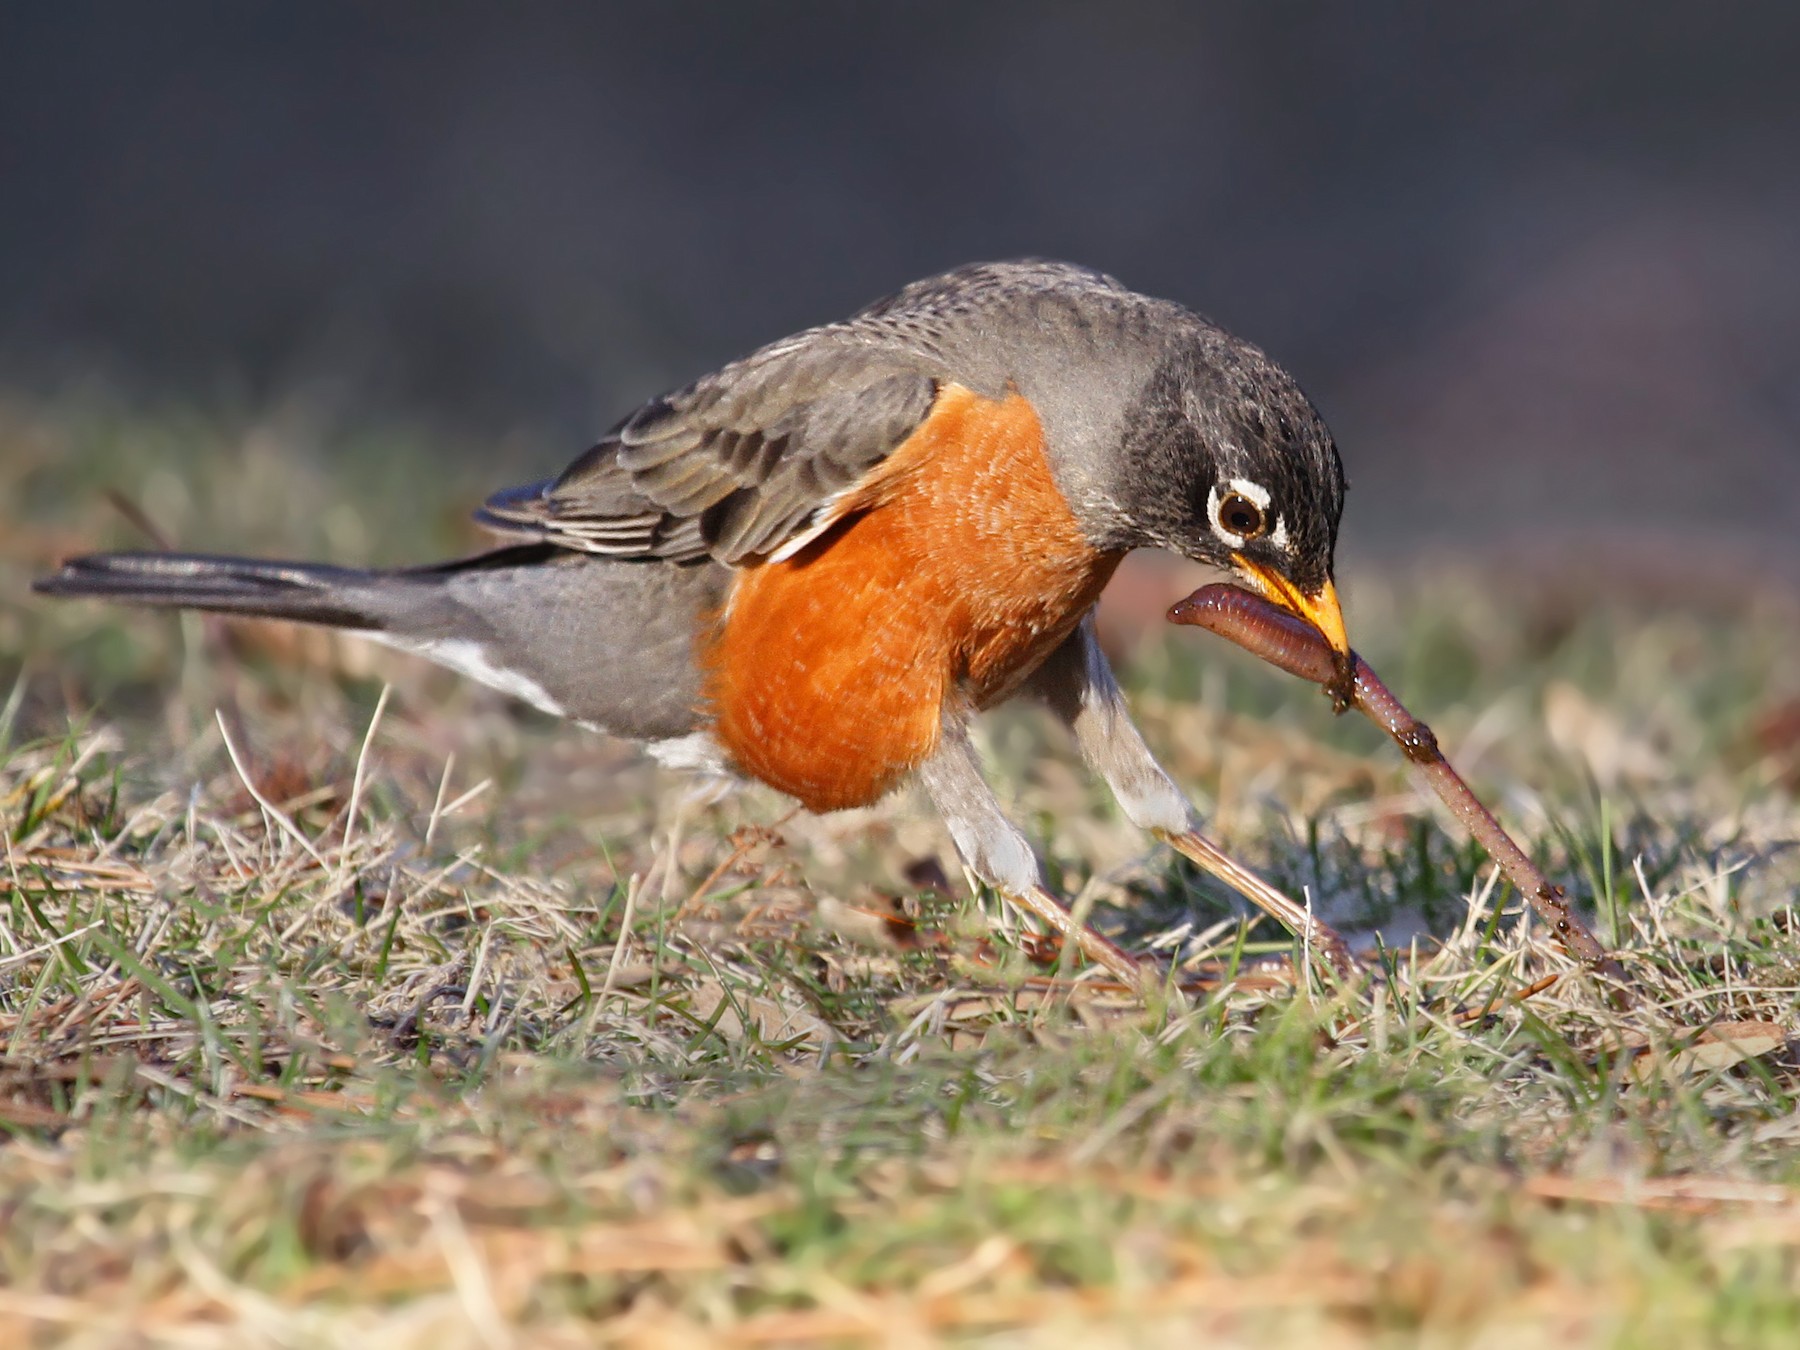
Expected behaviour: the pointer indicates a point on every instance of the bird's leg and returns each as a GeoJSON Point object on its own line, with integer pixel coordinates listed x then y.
{"type": "Point", "coordinates": [994, 850]}
{"type": "Point", "coordinates": [1079, 687]}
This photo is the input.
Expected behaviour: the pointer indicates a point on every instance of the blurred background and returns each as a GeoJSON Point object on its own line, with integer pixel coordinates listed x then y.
{"type": "Point", "coordinates": [311, 280]}
{"type": "Point", "coordinates": [1539, 264]}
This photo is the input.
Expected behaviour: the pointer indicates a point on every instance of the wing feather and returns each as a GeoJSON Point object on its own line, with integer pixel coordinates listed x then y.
{"type": "Point", "coordinates": [753, 460]}
{"type": "Point", "coordinates": [734, 465]}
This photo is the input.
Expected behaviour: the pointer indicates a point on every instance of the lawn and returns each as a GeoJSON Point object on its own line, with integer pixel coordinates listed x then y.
{"type": "Point", "coordinates": [343, 1003]}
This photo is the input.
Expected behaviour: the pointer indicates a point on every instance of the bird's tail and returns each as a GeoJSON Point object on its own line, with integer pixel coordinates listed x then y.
{"type": "Point", "coordinates": [368, 600]}
{"type": "Point", "coordinates": [341, 597]}
{"type": "Point", "coordinates": [532, 620]}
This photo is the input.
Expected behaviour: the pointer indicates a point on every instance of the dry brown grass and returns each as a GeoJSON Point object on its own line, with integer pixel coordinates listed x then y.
{"type": "Point", "coordinates": [351, 1041]}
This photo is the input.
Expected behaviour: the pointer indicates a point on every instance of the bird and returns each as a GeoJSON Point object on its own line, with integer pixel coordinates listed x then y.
{"type": "Point", "coordinates": [813, 566]}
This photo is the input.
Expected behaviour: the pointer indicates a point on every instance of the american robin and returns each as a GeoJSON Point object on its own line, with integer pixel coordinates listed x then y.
{"type": "Point", "coordinates": [812, 566]}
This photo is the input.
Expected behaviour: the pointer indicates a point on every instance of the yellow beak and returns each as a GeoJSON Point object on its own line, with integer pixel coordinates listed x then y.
{"type": "Point", "coordinates": [1319, 609]}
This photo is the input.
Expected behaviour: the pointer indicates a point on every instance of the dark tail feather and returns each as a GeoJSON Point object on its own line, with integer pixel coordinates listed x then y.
{"type": "Point", "coordinates": [341, 597]}
{"type": "Point", "coordinates": [533, 620]}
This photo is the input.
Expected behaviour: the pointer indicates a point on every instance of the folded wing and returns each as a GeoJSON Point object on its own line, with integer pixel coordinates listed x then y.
{"type": "Point", "coordinates": [736, 465]}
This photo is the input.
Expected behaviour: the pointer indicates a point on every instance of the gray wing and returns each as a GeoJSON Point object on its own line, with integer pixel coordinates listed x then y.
{"type": "Point", "coordinates": [753, 457]}
{"type": "Point", "coordinates": [736, 464]}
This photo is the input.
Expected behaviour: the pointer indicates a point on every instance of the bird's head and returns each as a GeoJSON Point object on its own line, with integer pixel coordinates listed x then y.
{"type": "Point", "coordinates": [1227, 462]}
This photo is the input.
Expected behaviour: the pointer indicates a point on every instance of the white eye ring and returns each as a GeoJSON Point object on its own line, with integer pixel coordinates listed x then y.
{"type": "Point", "coordinates": [1241, 493]}
{"type": "Point", "coordinates": [1256, 492]}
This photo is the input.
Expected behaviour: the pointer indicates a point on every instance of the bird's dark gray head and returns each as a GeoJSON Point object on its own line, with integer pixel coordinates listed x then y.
{"type": "Point", "coordinates": [1228, 463]}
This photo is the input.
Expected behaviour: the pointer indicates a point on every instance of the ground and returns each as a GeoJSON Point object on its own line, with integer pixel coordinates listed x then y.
{"type": "Point", "coordinates": [342, 1003]}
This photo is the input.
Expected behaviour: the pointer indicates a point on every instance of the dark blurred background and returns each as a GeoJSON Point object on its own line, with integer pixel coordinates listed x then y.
{"type": "Point", "coordinates": [1539, 264]}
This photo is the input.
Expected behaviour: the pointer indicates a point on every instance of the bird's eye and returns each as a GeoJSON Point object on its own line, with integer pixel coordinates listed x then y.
{"type": "Point", "coordinates": [1241, 516]}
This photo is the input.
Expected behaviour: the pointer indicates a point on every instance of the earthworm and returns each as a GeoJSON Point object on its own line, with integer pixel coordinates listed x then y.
{"type": "Point", "coordinates": [1295, 646]}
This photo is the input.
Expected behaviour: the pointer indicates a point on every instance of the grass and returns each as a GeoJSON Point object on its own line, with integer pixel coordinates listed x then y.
{"type": "Point", "coordinates": [401, 1029]}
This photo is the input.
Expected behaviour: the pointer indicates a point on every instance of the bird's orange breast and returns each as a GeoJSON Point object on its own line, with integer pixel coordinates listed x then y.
{"type": "Point", "coordinates": [956, 567]}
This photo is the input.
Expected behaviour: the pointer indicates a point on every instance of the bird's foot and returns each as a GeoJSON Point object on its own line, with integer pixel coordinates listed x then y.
{"type": "Point", "coordinates": [1099, 949]}
{"type": "Point", "coordinates": [1315, 934]}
